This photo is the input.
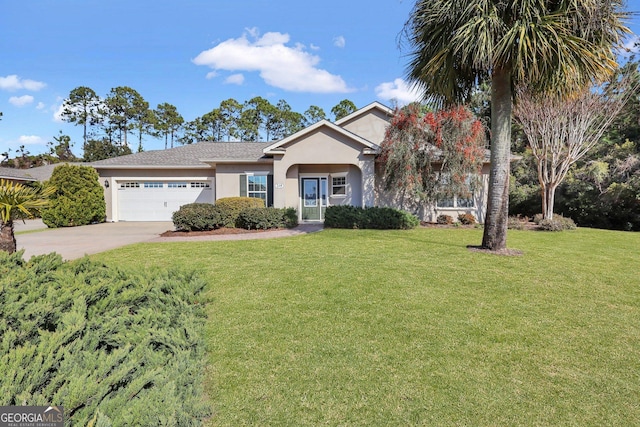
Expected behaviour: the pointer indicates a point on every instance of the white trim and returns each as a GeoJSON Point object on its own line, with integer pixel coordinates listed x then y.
{"type": "Point", "coordinates": [345, 185]}
{"type": "Point", "coordinates": [362, 111]}
{"type": "Point", "coordinates": [277, 147]}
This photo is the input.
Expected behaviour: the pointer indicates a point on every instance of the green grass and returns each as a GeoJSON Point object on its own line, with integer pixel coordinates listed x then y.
{"type": "Point", "coordinates": [348, 327]}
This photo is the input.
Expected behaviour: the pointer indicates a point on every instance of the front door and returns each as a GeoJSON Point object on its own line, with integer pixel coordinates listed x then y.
{"type": "Point", "coordinates": [313, 198]}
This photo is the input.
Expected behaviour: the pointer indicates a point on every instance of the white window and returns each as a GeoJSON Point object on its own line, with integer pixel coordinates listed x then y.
{"type": "Point", "coordinates": [153, 185]}
{"type": "Point", "coordinates": [457, 200]}
{"type": "Point", "coordinates": [177, 185]}
{"type": "Point", "coordinates": [257, 187]}
{"type": "Point", "coordinates": [339, 186]}
{"type": "Point", "coordinates": [130, 185]}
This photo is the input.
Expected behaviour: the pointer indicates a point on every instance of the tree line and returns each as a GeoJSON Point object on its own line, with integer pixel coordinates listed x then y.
{"type": "Point", "coordinates": [123, 113]}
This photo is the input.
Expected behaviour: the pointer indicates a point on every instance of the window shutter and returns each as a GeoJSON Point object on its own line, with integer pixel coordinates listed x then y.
{"type": "Point", "coordinates": [243, 185]}
{"type": "Point", "coordinates": [269, 190]}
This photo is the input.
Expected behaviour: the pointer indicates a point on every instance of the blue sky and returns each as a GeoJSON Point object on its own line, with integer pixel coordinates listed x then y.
{"type": "Point", "coordinates": [194, 54]}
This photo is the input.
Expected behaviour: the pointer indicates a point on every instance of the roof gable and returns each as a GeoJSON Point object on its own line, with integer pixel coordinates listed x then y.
{"type": "Point", "coordinates": [364, 111]}
{"type": "Point", "coordinates": [279, 146]}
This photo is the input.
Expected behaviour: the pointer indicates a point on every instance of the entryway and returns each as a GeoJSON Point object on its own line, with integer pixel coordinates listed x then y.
{"type": "Point", "coordinates": [313, 199]}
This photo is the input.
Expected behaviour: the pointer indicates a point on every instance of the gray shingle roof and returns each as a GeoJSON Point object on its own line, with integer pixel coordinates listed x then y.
{"type": "Point", "coordinates": [191, 155]}
{"type": "Point", "coordinates": [40, 173]}
{"type": "Point", "coordinates": [16, 174]}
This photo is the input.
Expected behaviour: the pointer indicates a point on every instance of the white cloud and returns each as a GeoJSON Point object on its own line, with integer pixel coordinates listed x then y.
{"type": "Point", "coordinates": [235, 79]}
{"type": "Point", "coordinates": [631, 46]}
{"type": "Point", "coordinates": [211, 74]}
{"type": "Point", "coordinates": [399, 92]}
{"type": "Point", "coordinates": [40, 106]}
{"type": "Point", "coordinates": [31, 140]}
{"type": "Point", "coordinates": [285, 67]}
{"type": "Point", "coordinates": [21, 101]}
{"type": "Point", "coordinates": [14, 82]}
{"type": "Point", "coordinates": [57, 113]}
{"type": "Point", "coordinates": [339, 41]}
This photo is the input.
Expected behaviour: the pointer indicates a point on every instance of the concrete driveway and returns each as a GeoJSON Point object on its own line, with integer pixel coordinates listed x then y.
{"type": "Point", "coordinates": [75, 242]}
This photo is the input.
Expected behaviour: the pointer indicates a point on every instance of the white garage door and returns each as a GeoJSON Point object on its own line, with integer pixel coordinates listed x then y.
{"type": "Point", "coordinates": [158, 200]}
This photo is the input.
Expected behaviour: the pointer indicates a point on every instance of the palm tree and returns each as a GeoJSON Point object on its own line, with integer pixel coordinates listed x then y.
{"type": "Point", "coordinates": [546, 45]}
{"type": "Point", "coordinates": [17, 201]}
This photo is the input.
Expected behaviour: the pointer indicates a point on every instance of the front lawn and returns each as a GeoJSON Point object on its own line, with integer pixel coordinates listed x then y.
{"type": "Point", "coordinates": [350, 327]}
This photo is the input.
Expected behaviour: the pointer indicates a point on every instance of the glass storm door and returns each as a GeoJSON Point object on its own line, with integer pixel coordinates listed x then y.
{"type": "Point", "coordinates": [314, 198]}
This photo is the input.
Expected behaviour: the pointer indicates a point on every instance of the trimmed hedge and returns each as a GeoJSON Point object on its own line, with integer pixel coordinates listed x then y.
{"type": "Point", "coordinates": [381, 218]}
{"type": "Point", "coordinates": [230, 208]}
{"type": "Point", "coordinates": [266, 218]}
{"type": "Point", "coordinates": [205, 216]}
{"type": "Point", "coordinates": [197, 217]}
{"type": "Point", "coordinates": [115, 348]}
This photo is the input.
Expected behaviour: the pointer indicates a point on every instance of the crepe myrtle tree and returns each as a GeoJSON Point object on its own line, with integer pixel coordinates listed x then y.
{"type": "Point", "coordinates": [561, 131]}
{"type": "Point", "coordinates": [547, 45]}
{"type": "Point", "coordinates": [430, 155]}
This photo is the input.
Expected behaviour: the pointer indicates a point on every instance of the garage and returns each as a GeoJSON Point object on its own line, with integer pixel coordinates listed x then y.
{"type": "Point", "coordinates": [158, 200]}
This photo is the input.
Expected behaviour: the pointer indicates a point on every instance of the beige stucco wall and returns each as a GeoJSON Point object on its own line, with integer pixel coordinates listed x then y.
{"type": "Point", "coordinates": [228, 177]}
{"type": "Point", "coordinates": [371, 126]}
{"type": "Point", "coordinates": [321, 153]}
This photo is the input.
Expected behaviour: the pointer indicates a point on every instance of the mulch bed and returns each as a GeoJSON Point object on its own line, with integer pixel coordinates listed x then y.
{"type": "Point", "coordinates": [217, 232]}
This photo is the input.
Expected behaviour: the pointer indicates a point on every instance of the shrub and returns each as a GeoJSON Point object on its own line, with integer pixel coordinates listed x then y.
{"type": "Point", "coordinates": [558, 223]}
{"type": "Point", "coordinates": [197, 217]}
{"type": "Point", "coordinates": [514, 223]}
{"type": "Point", "coordinates": [537, 218]}
{"type": "Point", "coordinates": [111, 346]}
{"type": "Point", "coordinates": [266, 218]}
{"type": "Point", "coordinates": [343, 216]}
{"type": "Point", "coordinates": [371, 217]}
{"type": "Point", "coordinates": [290, 217]}
{"type": "Point", "coordinates": [384, 218]}
{"type": "Point", "coordinates": [230, 208]}
{"type": "Point", "coordinates": [467, 219]}
{"type": "Point", "coordinates": [78, 200]}
{"type": "Point", "coordinates": [444, 219]}
{"type": "Point", "coordinates": [550, 225]}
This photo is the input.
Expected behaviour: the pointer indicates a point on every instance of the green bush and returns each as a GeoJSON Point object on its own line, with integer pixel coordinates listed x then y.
{"type": "Point", "coordinates": [381, 218]}
{"type": "Point", "coordinates": [343, 216]}
{"type": "Point", "coordinates": [290, 217]}
{"type": "Point", "coordinates": [197, 217]}
{"type": "Point", "coordinates": [466, 219]}
{"type": "Point", "coordinates": [444, 219]}
{"type": "Point", "coordinates": [111, 346]}
{"type": "Point", "coordinates": [266, 218]}
{"type": "Point", "coordinates": [78, 200]}
{"type": "Point", "coordinates": [230, 208]}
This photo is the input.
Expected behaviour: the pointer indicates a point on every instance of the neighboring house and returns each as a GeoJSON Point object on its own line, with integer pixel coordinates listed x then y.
{"type": "Point", "coordinates": [16, 175]}
{"type": "Point", "coordinates": [40, 173]}
{"type": "Point", "coordinates": [323, 165]}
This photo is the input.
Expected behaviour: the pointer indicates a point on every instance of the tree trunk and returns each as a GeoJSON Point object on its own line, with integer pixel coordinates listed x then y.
{"type": "Point", "coordinates": [548, 200]}
{"type": "Point", "coordinates": [495, 227]}
{"type": "Point", "coordinates": [7, 237]}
